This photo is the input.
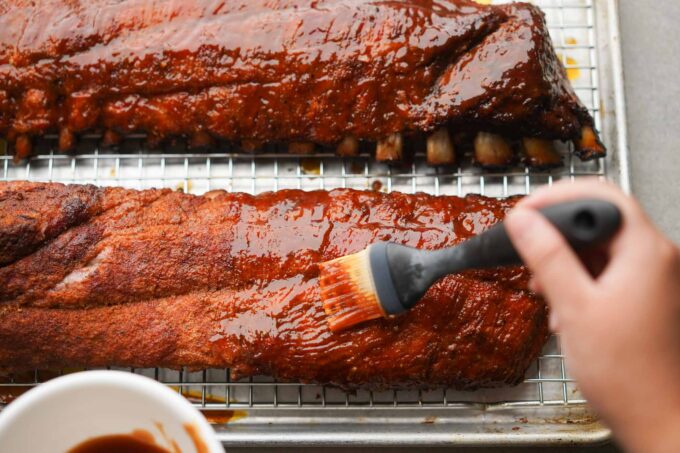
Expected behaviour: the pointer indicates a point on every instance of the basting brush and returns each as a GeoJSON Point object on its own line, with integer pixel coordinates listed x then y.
{"type": "Point", "coordinates": [387, 279]}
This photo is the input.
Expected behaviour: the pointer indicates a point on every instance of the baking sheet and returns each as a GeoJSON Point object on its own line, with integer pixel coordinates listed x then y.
{"type": "Point", "coordinates": [547, 408]}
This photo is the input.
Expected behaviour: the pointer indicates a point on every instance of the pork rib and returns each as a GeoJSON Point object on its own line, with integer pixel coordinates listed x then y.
{"type": "Point", "coordinates": [108, 276]}
{"type": "Point", "coordinates": [298, 72]}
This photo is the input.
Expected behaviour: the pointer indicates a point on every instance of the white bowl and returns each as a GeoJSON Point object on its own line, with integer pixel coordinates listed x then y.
{"type": "Point", "coordinates": [62, 413]}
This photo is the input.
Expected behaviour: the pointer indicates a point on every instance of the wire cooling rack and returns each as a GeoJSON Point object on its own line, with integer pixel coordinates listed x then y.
{"type": "Point", "coordinates": [546, 408]}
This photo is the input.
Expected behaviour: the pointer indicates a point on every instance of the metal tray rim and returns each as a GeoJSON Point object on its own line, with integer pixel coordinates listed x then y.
{"type": "Point", "coordinates": [496, 430]}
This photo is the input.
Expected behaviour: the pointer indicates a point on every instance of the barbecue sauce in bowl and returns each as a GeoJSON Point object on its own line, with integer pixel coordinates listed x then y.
{"type": "Point", "coordinates": [137, 442]}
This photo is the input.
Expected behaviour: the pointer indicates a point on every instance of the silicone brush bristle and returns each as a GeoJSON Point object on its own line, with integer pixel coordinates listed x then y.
{"type": "Point", "coordinates": [348, 292]}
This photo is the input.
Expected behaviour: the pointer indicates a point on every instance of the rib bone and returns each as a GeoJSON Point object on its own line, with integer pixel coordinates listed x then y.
{"type": "Point", "coordinates": [201, 139]}
{"type": "Point", "coordinates": [301, 148]}
{"type": "Point", "coordinates": [23, 147]}
{"type": "Point", "coordinates": [390, 149]}
{"type": "Point", "coordinates": [67, 139]}
{"type": "Point", "coordinates": [110, 138]}
{"type": "Point", "coordinates": [540, 153]}
{"type": "Point", "coordinates": [589, 145]}
{"type": "Point", "coordinates": [440, 149]}
{"type": "Point", "coordinates": [252, 146]}
{"type": "Point", "coordinates": [492, 150]}
{"type": "Point", "coordinates": [348, 147]}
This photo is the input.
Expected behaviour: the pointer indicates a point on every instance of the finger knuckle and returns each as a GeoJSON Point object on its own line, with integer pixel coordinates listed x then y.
{"type": "Point", "coordinates": [549, 253]}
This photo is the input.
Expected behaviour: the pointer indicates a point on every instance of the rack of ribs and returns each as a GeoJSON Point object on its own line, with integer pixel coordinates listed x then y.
{"type": "Point", "coordinates": [108, 276]}
{"type": "Point", "coordinates": [352, 75]}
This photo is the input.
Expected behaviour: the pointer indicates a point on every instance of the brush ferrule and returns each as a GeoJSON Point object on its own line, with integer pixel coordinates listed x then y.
{"type": "Point", "coordinates": [413, 271]}
{"type": "Point", "coordinates": [382, 278]}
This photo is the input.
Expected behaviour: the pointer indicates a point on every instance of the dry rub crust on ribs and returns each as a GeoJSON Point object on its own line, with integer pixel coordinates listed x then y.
{"type": "Point", "coordinates": [109, 276]}
{"type": "Point", "coordinates": [296, 72]}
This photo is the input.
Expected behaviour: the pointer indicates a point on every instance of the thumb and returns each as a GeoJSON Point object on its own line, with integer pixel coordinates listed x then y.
{"type": "Point", "coordinates": [556, 268]}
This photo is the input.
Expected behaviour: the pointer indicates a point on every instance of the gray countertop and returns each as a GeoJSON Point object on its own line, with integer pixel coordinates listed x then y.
{"type": "Point", "coordinates": [651, 45]}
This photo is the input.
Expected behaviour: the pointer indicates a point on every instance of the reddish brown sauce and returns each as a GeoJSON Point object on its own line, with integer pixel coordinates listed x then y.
{"type": "Point", "coordinates": [108, 276]}
{"type": "Point", "coordinates": [221, 417]}
{"type": "Point", "coordinates": [139, 441]}
{"type": "Point", "coordinates": [199, 443]}
{"type": "Point", "coordinates": [314, 71]}
{"type": "Point", "coordinates": [197, 396]}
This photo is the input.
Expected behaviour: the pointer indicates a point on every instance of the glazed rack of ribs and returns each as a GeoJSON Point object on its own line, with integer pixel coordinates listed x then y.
{"type": "Point", "coordinates": [546, 407]}
{"type": "Point", "coordinates": [386, 77]}
{"type": "Point", "coordinates": [108, 276]}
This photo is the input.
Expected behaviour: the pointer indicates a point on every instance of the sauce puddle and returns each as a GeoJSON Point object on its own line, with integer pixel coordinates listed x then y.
{"type": "Point", "coordinates": [138, 441]}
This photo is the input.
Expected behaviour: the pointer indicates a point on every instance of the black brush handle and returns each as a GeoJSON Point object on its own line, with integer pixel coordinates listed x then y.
{"type": "Point", "coordinates": [583, 223]}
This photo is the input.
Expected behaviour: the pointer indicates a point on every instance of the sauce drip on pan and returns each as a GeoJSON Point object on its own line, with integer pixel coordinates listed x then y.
{"type": "Point", "coordinates": [221, 417]}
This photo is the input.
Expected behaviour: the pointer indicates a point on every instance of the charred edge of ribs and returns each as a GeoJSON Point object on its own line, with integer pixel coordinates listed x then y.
{"type": "Point", "coordinates": [47, 84]}
{"type": "Point", "coordinates": [491, 151]}
{"type": "Point", "coordinates": [589, 146]}
{"type": "Point", "coordinates": [109, 276]}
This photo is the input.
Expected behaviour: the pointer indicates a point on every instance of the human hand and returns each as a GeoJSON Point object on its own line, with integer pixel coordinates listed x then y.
{"type": "Point", "coordinates": [620, 329]}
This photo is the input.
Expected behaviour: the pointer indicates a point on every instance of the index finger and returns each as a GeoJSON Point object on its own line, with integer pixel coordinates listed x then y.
{"type": "Point", "coordinates": [635, 221]}
{"type": "Point", "coordinates": [564, 191]}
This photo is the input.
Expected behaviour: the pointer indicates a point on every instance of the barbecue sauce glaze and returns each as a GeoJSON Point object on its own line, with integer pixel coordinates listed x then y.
{"type": "Point", "coordinates": [108, 276]}
{"type": "Point", "coordinates": [139, 441]}
{"type": "Point", "coordinates": [279, 71]}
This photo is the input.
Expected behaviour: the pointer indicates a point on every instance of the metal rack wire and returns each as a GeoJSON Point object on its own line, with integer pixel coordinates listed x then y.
{"type": "Point", "coordinates": [572, 25]}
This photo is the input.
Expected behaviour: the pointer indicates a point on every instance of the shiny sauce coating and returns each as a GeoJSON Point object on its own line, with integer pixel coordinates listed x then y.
{"type": "Point", "coordinates": [280, 71]}
{"type": "Point", "coordinates": [108, 276]}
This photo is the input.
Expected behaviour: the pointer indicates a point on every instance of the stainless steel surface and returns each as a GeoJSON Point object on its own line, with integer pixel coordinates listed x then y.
{"type": "Point", "coordinates": [546, 409]}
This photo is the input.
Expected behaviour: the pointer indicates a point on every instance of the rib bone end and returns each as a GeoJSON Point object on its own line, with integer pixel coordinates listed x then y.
{"type": "Point", "coordinates": [201, 139]}
{"type": "Point", "coordinates": [589, 146]}
{"type": "Point", "coordinates": [390, 149]}
{"type": "Point", "coordinates": [110, 138]}
{"type": "Point", "coordinates": [23, 147]}
{"type": "Point", "coordinates": [67, 139]}
{"type": "Point", "coordinates": [540, 153]}
{"type": "Point", "coordinates": [301, 148]}
{"type": "Point", "coordinates": [252, 146]}
{"type": "Point", "coordinates": [348, 147]}
{"type": "Point", "coordinates": [440, 150]}
{"type": "Point", "coordinates": [492, 150]}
